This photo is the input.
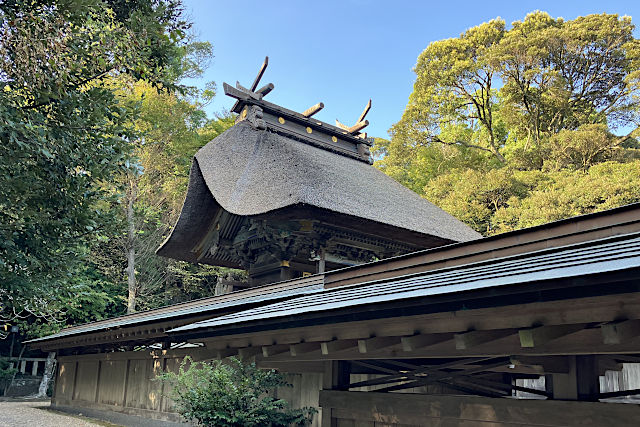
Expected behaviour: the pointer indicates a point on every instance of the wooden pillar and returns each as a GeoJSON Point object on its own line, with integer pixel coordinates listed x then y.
{"type": "Point", "coordinates": [580, 383]}
{"type": "Point", "coordinates": [34, 368]}
{"type": "Point", "coordinates": [587, 378]}
{"type": "Point", "coordinates": [23, 366]}
{"type": "Point", "coordinates": [336, 377]}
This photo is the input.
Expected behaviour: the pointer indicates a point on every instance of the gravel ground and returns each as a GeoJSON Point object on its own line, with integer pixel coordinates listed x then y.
{"type": "Point", "coordinates": [37, 413]}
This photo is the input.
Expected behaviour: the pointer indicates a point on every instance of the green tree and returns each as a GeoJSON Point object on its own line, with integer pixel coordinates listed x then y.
{"type": "Point", "coordinates": [232, 394]}
{"type": "Point", "coordinates": [171, 128]}
{"type": "Point", "coordinates": [64, 132]}
{"type": "Point", "coordinates": [502, 119]}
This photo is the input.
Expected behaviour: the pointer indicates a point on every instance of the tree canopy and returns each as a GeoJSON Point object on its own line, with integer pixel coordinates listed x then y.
{"type": "Point", "coordinates": [501, 119]}
{"type": "Point", "coordinates": [89, 92]}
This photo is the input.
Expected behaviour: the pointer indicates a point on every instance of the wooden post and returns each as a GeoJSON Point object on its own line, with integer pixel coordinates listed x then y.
{"type": "Point", "coordinates": [321, 261]}
{"type": "Point", "coordinates": [285, 270]}
{"type": "Point", "coordinates": [336, 377]}
{"type": "Point", "coordinates": [564, 386]}
{"type": "Point", "coordinates": [23, 366]}
{"type": "Point", "coordinates": [587, 378]}
{"type": "Point", "coordinates": [580, 383]}
{"type": "Point", "coordinates": [34, 368]}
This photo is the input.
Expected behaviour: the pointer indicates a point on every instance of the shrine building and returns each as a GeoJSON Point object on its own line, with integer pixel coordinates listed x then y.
{"type": "Point", "coordinates": [382, 309]}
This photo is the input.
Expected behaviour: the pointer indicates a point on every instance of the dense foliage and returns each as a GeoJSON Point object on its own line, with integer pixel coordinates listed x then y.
{"type": "Point", "coordinates": [90, 103]}
{"type": "Point", "coordinates": [508, 128]}
{"type": "Point", "coordinates": [232, 394]}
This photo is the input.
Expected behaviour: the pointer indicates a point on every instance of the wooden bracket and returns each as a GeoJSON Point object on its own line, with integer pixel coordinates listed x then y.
{"type": "Point", "coordinates": [330, 347]}
{"type": "Point", "coordinates": [535, 337]}
{"type": "Point", "coordinates": [273, 350]}
{"type": "Point", "coordinates": [470, 339]}
{"type": "Point", "coordinates": [227, 352]}
{"type": "Point", "coordinates": [249, 352]}
{"type": "Point", "coordinates": [620, 332]}
{"type": "Point", "coordinates": [303, 348]}
{"type": "Point", "coordinates": [376, 343]}
{"type": "Point", "coordinates": [419, 341]}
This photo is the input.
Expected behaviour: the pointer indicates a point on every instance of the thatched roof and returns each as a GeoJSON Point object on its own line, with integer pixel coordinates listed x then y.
{"type": "Point", "coordinates": [251, 172]}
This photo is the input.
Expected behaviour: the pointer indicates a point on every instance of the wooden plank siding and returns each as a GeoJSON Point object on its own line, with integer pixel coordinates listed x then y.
{"type": "Point", "coordinates": [124, 382]}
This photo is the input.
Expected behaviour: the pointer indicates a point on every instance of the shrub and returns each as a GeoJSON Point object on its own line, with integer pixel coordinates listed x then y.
{"type": "Point", "coordinates": [232, 394]}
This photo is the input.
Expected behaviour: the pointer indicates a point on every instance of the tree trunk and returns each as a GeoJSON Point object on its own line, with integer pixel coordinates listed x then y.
{"type": "Point", "coordinates": [130, 247]}
{"type": "Point", "coordinates": [47, 375]}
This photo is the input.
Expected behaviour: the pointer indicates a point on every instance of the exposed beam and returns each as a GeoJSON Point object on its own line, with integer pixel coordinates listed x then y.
{"type": "Point", "coordinates": [535, 337]}
{"type": "Point", "coordinates": [375, 367]}
{"type": "Point", "coordinates": [430, 370]}
{"type": "Point", "coordinates": [467, 340]}
{"type": "Point", "coordinates": [620, 393]}
{"type": "Point", "coordinates": [303, 348]}
{"type": "Point", "coordinates": [626, 358]}
{"type": "Point", "coordinates": [272, 350]}
{"type": "Point", "coordinates": [369, 345]}
{"type": "Point", "coordinates": [434, 377]}
{"type": "Point", "coordinates": [548, 364]}
{"type": "Point", "coordinates": [329, 347]}
{"type": "Point", "coordinates": [313, 110]}
{"type": "Point", "coordinates": [606, 363]}
{"type": "Point", "coordinates": [619, 332]}
{"type": "Point", "coordinates": [419, 341]}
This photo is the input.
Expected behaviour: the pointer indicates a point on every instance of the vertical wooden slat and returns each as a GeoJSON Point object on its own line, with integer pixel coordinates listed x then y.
{"type": "Point", "coordinates": [126, 383]}
{"type": "Point", "coordinates": [75, 380]}
{"type": "Point", "coordinates": [98, 381]}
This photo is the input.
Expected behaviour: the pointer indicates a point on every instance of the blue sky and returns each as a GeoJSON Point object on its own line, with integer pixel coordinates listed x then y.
{"type": "Point", "coordinates": [344, 52]}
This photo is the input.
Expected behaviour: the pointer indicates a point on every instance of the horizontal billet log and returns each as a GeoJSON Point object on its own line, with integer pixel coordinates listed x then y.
{"type": "Point", "coordinates": [264, 90]}
{"type": "Point", "coordinates": [313, 110]}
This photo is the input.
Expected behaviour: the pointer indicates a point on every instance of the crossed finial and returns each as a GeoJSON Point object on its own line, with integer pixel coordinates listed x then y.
{"type": "Point", "coordinates": [361, 123]}
{"type": "Point", "coordinates": [258, 94]}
